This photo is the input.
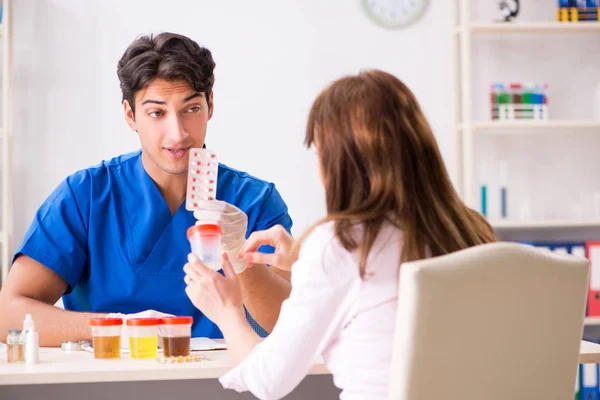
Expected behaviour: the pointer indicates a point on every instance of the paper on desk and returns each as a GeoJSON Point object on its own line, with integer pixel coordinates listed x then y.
{"type": "Point", "coordinates": [202, 343]}
{"type": "Point", "coordinates": [196, 344]}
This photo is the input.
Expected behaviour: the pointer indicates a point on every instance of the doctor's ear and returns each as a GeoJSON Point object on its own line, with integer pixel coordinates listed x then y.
{"type": "Point", "coordinates": [211, 105]}
{"type": "Point", "coordinates": [129, 115]}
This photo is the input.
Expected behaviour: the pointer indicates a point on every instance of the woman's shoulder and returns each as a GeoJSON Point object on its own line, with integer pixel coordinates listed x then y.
{"type": "Point", "coordinates": [323, 238]}
{"type": "Point", "coordinates": [323, 253]}
{"type": "Point", "coordinates": [323, 258]}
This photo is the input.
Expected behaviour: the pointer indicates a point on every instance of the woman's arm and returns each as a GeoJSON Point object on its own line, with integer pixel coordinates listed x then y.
{"type": "Point", "coordinates": [325, 284]}
{"type": "Point", "coordinates": [239, 335]}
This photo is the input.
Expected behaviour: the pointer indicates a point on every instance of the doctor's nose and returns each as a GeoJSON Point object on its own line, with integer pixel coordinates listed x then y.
{"type": "Point", "coordinates": [175, 129]}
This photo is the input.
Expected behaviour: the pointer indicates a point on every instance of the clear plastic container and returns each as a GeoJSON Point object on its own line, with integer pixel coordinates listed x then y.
{"type": "Point", "coordinates": [106, 337]}
{"type": "Point", "coordinates": [205, 241]}
{"type": "Point", "coordinates": [176, 333]}
{"type": "Point", "coordinates": [143, 341]}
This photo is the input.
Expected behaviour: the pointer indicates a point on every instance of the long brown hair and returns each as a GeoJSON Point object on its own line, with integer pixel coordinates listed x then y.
{"type": "Point", "coordinates": [380, 162]}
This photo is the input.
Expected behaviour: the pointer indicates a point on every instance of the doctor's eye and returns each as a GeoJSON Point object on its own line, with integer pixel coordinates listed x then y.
{"type": "Point", "coordinates": [155, 114]}
{"type": "Point", "coordinates": [194, 109]}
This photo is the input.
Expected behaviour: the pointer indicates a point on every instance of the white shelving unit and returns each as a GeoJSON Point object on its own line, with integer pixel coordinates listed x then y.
{"type": "Point", "coordinates": [592, 321]}
{"type": "Point", "coordinates": [550, 125]}
{"type": "Point", "coordinates": [545, 224]}
{"type": "Point", "coordinates": [530, 27]}
{"type": "Point", "coordinates": [6, 141]}
{"type": "Point", "coordinates": [465, 127]}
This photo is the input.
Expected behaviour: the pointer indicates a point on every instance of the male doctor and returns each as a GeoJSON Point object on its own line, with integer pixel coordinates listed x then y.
{"type": "Point", "coordinates": [111, 239]}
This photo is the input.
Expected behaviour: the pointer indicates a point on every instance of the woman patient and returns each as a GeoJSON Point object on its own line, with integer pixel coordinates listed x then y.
{"type": "Point", "coordinates": [389, 200]}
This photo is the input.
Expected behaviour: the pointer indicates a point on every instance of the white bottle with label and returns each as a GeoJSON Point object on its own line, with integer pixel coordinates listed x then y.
{"type": "Point", "coordinates": [27, 324]}
{"type": "Point", "coordinates": [31, 339]}
{"type": "Point", "coordinates": [32, 346]}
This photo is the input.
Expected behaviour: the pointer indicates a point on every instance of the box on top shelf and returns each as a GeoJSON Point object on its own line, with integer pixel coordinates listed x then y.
{"type": "Point", "coordinates": [578, 10]}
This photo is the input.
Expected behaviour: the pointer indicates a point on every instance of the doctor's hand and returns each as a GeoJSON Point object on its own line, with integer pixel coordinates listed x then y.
{"type": "Point", "coordinates": [216, 296]}
{"type": "Point", "coordinates": [283, 257]}
{"type": "Point", "coordinates": [233, 222]}
{"type": "Point", "coordinates": [125, 317]}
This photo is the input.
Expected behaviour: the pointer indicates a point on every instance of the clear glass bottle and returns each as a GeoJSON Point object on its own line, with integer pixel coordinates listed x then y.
{"type": "Point", "coordinates": [15, 351]}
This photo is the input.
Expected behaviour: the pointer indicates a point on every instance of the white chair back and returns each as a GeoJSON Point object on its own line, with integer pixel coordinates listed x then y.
{"type": "Point", "coordinates": [498, 321]}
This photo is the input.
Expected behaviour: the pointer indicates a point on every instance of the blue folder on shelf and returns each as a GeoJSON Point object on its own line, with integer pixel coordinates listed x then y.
{"type": "Point", "coordinates": [589, 381]}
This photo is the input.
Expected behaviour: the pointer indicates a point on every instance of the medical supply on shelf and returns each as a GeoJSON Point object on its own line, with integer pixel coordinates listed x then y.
{"type": "Point", "coordinates": [203, 169]}
{"type": "Point", "coordinates": [143, 341]}
{"type": "Point", "coordinates": [509, 9]}
{"type": "Point", "coordinates": [503, 178]}
{"type": "Point", "coordinates": [483, 179]}
{"type": "Point", "coordinates": [484, 200]}
{"type": "Point", "coordinates": [176, 334]}
{"type": "Point", "coordinates": [205, 242]}
{"type": "Point", "coordinates": [578, 10]}
{"type": "Point", "coordinates": [106, 337]}
{"type": "Point", "coordinates": [518, 101]}
{"type": "Point", "coordinates": [15, 346]}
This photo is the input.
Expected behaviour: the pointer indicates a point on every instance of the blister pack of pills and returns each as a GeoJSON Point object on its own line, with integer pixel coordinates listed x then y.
{"type": "Point", "coordinates": [181, 359]}
{"type": "Point", "coordinates": [202, 177]}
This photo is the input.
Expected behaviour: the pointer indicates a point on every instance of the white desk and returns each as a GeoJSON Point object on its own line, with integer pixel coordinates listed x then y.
{"type": "Point", "coordinates": [58, 366]}
{"type": "Point", "coordinates": [64, 375]}
{"type": "Point", "coordinates": [76, 375]}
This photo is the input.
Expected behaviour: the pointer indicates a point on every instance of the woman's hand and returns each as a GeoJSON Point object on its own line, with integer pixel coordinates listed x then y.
{"type": "Point", "coordinates": [284, 256]}
{"type": "Point", "coordinates": [216, 296]}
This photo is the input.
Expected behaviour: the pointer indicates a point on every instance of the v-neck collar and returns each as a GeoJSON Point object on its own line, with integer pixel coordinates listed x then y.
{"type": "Point", "coordinates": [146, 210]}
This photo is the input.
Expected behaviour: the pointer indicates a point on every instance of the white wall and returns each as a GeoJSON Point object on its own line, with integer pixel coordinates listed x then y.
{"type": "Point", "coordinates": [273, 57]}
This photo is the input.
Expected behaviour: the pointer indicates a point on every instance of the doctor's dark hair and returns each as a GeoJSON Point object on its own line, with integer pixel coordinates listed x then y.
{"type": "Point", "coordinates": [167, 56]}
{"type": "Point", "coordinates": [380, 163]}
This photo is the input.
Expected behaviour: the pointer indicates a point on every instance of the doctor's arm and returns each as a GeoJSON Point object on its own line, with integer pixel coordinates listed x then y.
{"type": "Point", "coordinates": [32, 288]}
{"type": "Point", "coordinates": [263, 291]}
{"type": "Point", "coordinates": [264, 287]}
{"type": "Point", "coordinates": [48, 262]}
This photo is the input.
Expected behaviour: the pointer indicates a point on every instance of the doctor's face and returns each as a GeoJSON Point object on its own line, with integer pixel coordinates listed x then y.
{"type": "Point", "coordinates": [170, 118]}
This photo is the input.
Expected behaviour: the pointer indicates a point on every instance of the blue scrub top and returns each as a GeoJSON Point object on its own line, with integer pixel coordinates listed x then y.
{"type": "Point", "coordinates": [108, 232]}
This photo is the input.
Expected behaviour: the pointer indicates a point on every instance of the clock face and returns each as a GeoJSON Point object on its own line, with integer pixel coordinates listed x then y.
{"type": "Point", "coordinates": [393, 14]}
